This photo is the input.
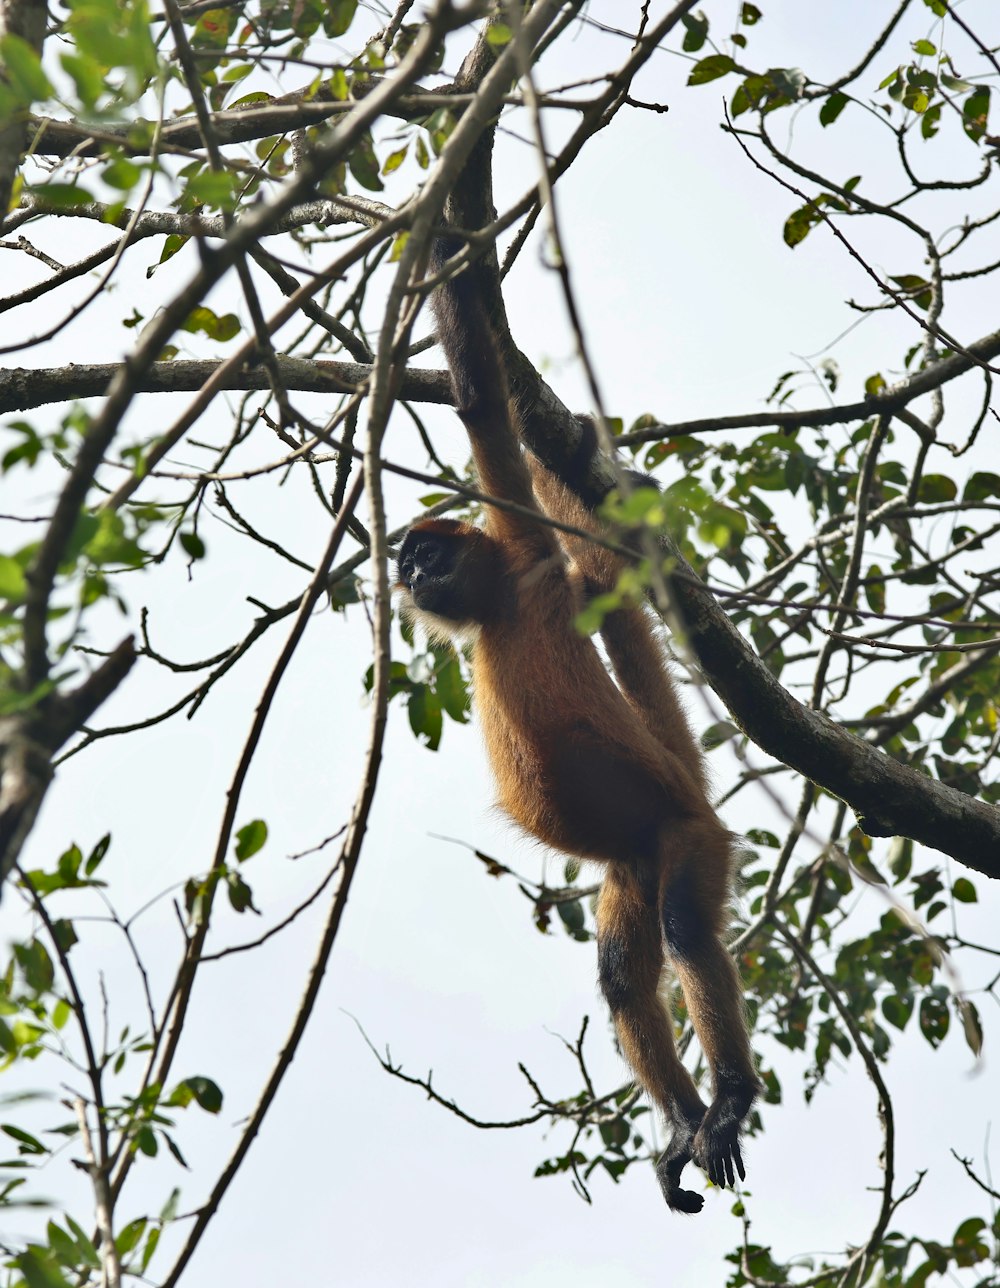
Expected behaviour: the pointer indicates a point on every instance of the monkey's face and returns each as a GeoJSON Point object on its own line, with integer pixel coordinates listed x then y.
{"type": "Point", "coordinates": [428, 566]}
{"type": "Point", "coordinates": [447, 571]}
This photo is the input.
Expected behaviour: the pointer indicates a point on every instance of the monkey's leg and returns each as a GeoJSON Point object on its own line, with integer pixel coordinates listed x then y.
{"type": "Point", "coordinates": [630, 962]}
{"type": "Point", "coordinates": [693, 903]}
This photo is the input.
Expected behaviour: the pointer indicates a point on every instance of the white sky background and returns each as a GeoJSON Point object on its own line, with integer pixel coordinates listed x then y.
{"type": "Point", "coordinates": [692, 306]}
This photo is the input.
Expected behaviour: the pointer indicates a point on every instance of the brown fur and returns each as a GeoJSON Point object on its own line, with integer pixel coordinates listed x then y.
{"type": "Point", "coordinates": [606, 773]}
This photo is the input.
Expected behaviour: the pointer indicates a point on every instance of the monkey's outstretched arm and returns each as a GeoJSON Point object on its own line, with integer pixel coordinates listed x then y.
{"type": "Point", "coordinates": [482, 399]}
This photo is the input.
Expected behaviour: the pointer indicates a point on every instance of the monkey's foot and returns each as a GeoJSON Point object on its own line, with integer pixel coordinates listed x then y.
{"type": "Point", "coordinates": [716, 1146]}
{"type": "Point", "coordinates": [672, 1162]}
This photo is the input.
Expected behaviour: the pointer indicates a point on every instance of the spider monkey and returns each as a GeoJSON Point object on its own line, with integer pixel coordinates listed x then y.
{"type": "Point", "coordinates": [604, 772]}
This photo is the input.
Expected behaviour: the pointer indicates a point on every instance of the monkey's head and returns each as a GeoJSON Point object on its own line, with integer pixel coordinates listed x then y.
{"type": "Point", "coordinates": [448, 573]}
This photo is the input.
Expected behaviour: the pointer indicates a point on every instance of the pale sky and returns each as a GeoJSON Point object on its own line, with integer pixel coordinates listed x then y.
{"type": "Point", "coordinates": [692, 307]}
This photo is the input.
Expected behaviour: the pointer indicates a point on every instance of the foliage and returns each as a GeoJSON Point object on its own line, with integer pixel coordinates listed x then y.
{"type": "Point", "coordinates": [849, 530]}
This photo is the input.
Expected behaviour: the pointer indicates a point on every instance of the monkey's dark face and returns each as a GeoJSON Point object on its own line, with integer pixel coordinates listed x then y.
{"type": "Point", "coordinates": [449, 573]}
{"type": "Point", "coordinates": [428, 567]}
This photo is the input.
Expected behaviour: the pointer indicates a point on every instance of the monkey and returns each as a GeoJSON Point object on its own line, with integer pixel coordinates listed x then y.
{"type": "Point", "coordinates": [602, 771]}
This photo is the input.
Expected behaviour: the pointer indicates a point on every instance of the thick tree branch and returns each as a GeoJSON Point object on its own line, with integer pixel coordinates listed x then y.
{"type": "Point", "coordinates": [59, 138]}
{"type": "Point", "coordinates": [22, 388]}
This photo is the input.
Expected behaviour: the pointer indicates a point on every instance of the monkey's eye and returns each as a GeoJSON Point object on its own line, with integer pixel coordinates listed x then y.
{"type": "Point", "coordinates": [430, 558]}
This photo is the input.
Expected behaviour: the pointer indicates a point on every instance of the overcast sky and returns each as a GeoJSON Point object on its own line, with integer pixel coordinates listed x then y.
{"type": "Point", "coordinates": [692, 307]}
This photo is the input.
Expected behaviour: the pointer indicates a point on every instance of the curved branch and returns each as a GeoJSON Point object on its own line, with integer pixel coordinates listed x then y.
{"type": "Point", "coordinates": [60, 138]}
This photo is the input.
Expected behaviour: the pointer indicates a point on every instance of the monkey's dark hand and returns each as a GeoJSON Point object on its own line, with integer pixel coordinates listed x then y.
{"type": "Point", "coordinates": [672, 1162]}
{"type": "Point", "coordinates": [716, 1146]}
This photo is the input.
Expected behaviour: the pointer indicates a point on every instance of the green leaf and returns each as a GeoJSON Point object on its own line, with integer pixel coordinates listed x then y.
{"type": "Point", "coordinates": [62, 929]}
{"type": "Point", "coordinates": [192, 544]}
{"type": "Point", "coordinates": [28, 450]}
{"type": "Point", "coordinates": [498, 34]}
{"type": "Point", "coordinates": [171, 245]}
{"type": "Point", "coordinates": [937, 488]}
{"type": "Point", "coordinates": [111, 544]}
{"type": "Point", "coordinates": [955, 83]}
{"type": "Point", "coordinates": [964, 891]}
{"type": "Point", "coordinates": [61, 196]}
{"type": "Point", "coordinates": [39, 1268]}
{"type": "Point", "coordinates": [175, 1150]}
{"type": "Point", "coordinates": [972, 1025]}
{"type": "Point", "coordinates": [615, 1133]}
{"type": "Point", "coordinates": [12, 583]}
{"type": "Point", "coordinates": [710, 69]}
{"type": "Point", "coordinates": [897, 1010]}
{"type": "Point", "coordinates": [337, 84]}
{"type": "Point", "coordinates": [449, 684]}
{"type": "Point", "coordinates": [212, 188]}
{"type": "Point", "coordinates": [26, 1143]}
{"type": "Point", "coordinates": [145, 1142]}
{"type": "Point", "coordinates": [695, 32]}
{"type": "Point", "coordinates": [975, 113]}
{"type": "Point", "coordinates": [930, 121]}
{"type": "Point", "coordinates": [750, 15]}
{"type": "Point", "coordinates": [363, 164]}
{"type": "Point", "coordinates": [394, 160]}
{"type": "Point", "coordinates": [96, 856]}
{"type": "Point", "coordinates": [338, 16]}
{"type": "Point", "coordinates": [121, 174]}
{"type": "Point", "coordinates": [206, 1093]}
{"type": "Point", "coordinates": [740, 101]}
{"type": "Point", "coordinates": [801, 222]}
{"type": "Point", "coordinates": [250, 839]}
{"type": "Point", "coordinates": [924, 48]}
{"type": "Point", "coordinates": [572, 916]}
{"type": "Point", "coordinates": [832, 108]}
{"type": "Point", "coordinates": [85, 1248]}
{"type": "Point", "coordinates": [128, 1237]}
{"type": "Point", "coordinates": [152, 1239]}
{"type": "Point", "coordinates": [981, 486]}
{"type": "Point", "coordinates": [758, 836]}
{"type": "Point", "coordinates": [239, 893]}
{"type": "Point", "coordinates": [213, 29]}
{"type": "Point", "coordinates": [875, 589]}
{"type": "Point", "coordinates": [87, 77]}
{"type": "Point", "coordinates": [117, 35]}
{"type": "Point", "coordinates": [917, 288]}
{"type": "Point", "coordinates": [23, 69]}
{"type": "Point", "coordinates": [34, 960]}
{"type": "Point", "coordinates": [716, 734]}
{"type": "Point", "coordinates": [424, 710]}
{"type": "Point", "coordinates": [211, 324]}
{"type": "Point", "coordinates": [934, 1020]}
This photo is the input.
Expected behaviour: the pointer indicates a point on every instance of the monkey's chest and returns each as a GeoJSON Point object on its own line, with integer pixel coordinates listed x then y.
{"type": "Point", "coordinates": [567, 753]}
